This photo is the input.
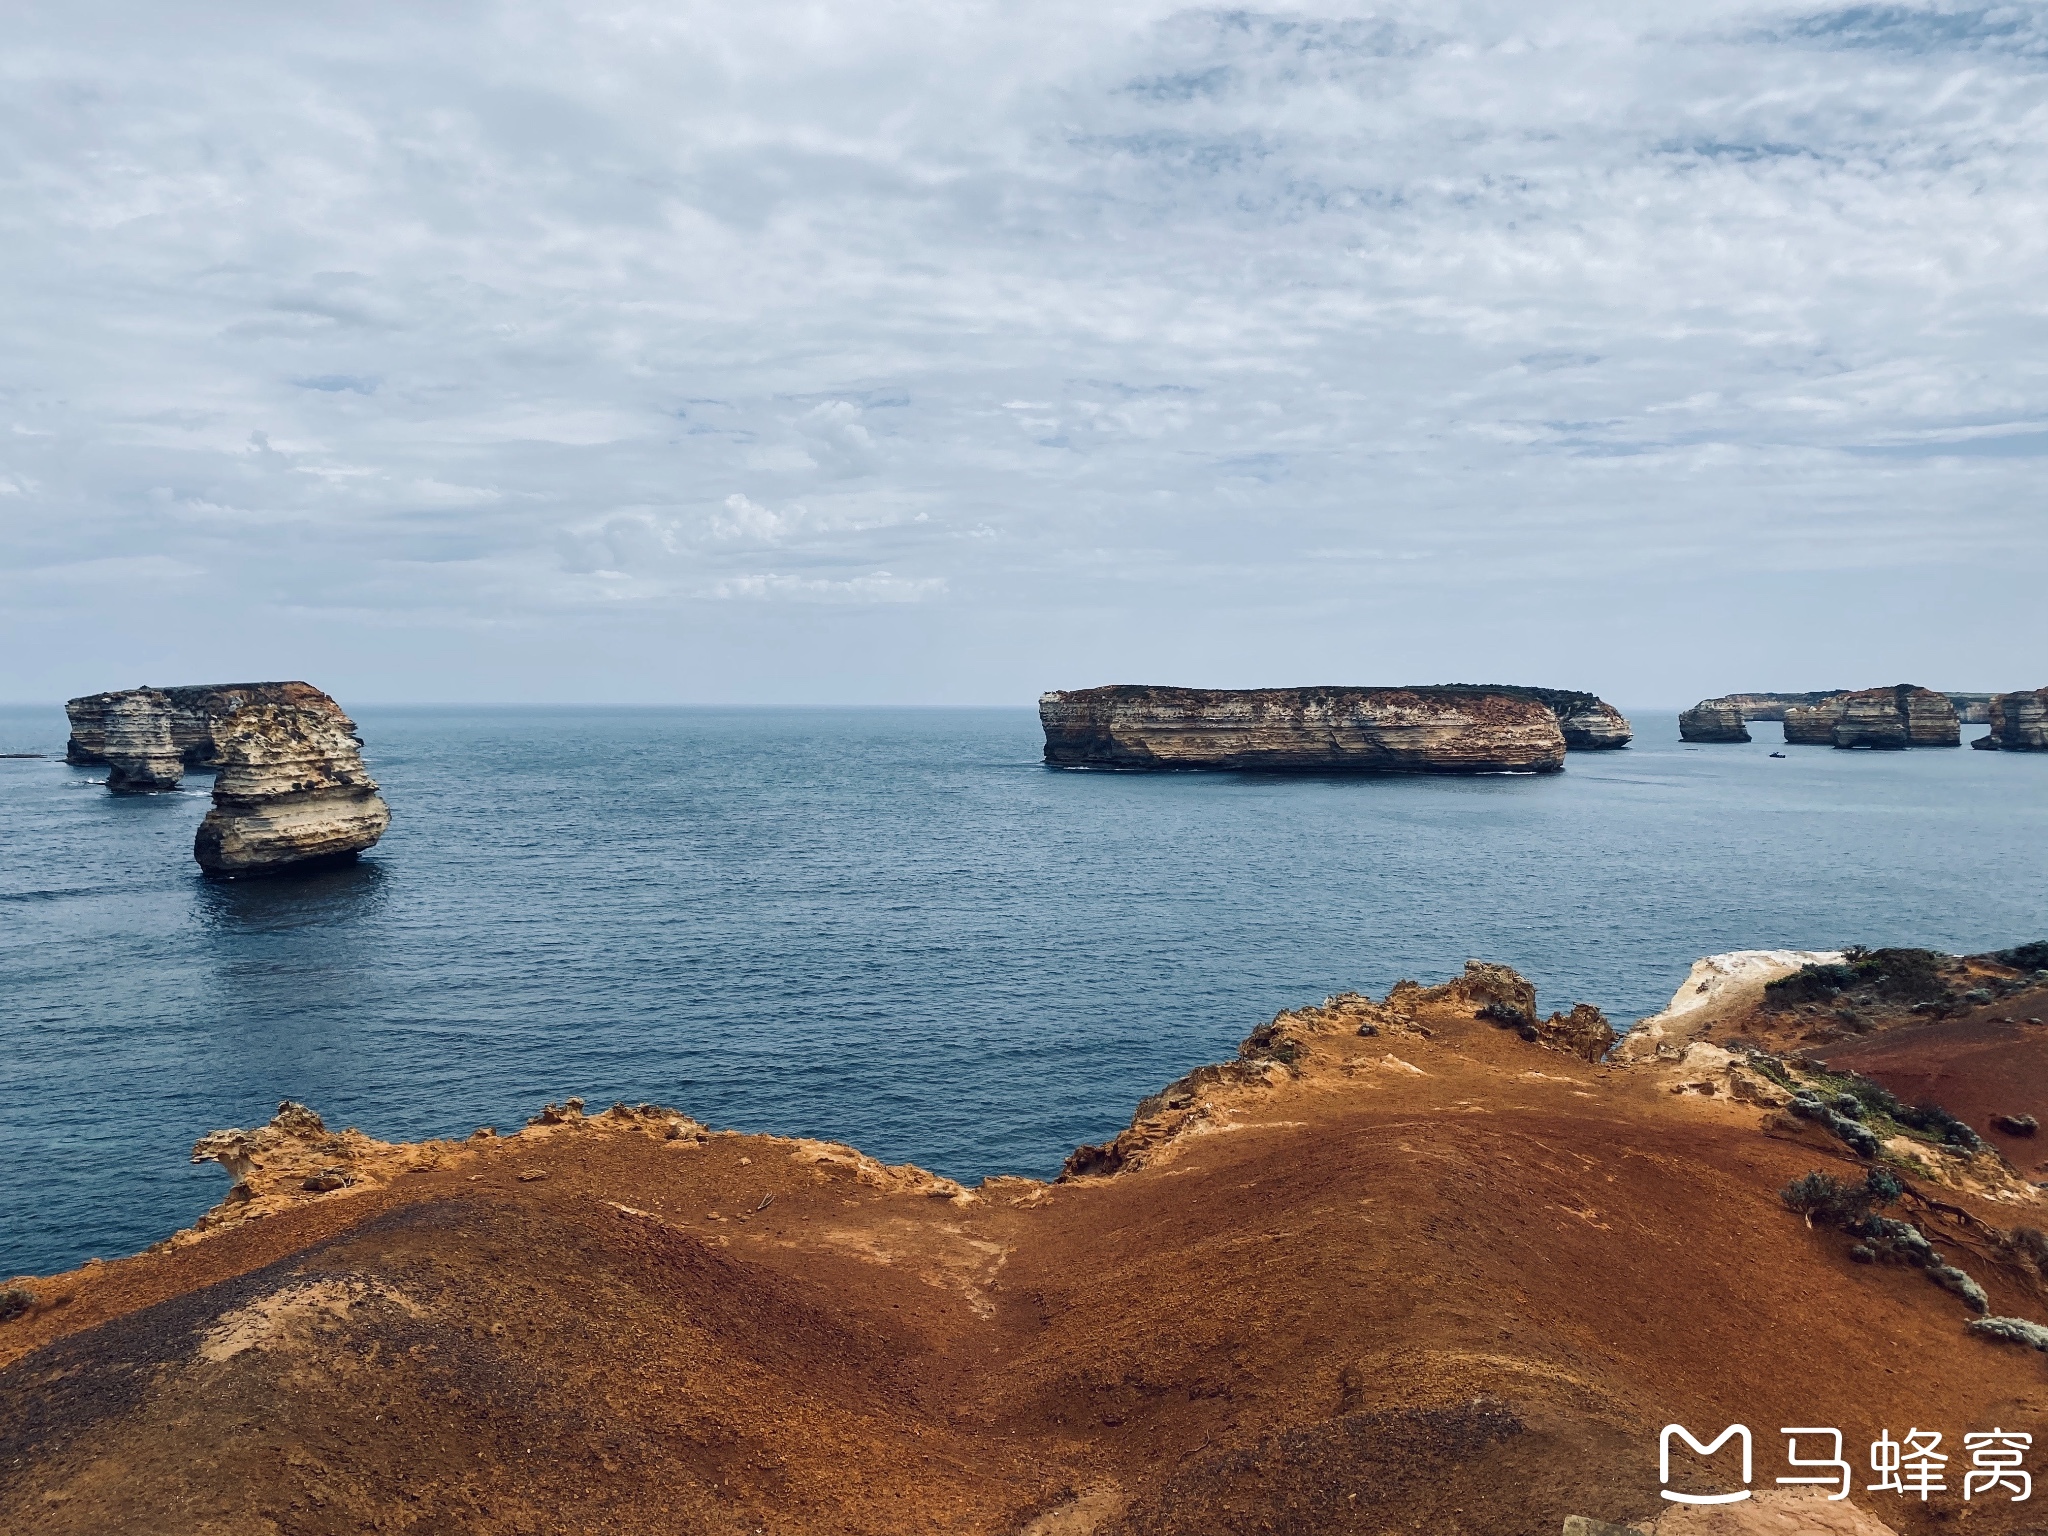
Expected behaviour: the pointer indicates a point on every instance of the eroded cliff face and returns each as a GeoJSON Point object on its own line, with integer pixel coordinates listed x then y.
{"type": "Point", "coordinates": [1358, 730]}
{"type": "Point", "coordinates": [1892, 719]}
{"type": "Point", "coordinates": [135, 743]}
{"type": "Point", "coordinates": [292, 792]}
{"type": "Point", "coordinates": [188, 714]}
{"type": "Point", "coordinates": [1774, 706]}
{"type": "Point", "coordinates": [1813, 725]}
{"type": "Point", "coordinates": [2019, 722]}
{"type": "Point", "coordinates": [1713, 720]}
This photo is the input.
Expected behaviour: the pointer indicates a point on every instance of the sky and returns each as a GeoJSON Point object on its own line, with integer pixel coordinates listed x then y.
{"type": "Point", "coordinates": [947, 352]}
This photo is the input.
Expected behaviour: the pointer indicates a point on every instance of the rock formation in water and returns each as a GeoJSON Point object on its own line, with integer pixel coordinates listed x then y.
{"type": "Point", "coordinates": [189, 713]}
{"type": "Point", "coordinates": [135, 743]}
{"type": "Point", "coordinates": [1713, 720]}
{"type": "Point", "coordinates": [1812, 719]}
{"type": "Point", "coordinates": [292, 792]}
{"type": "Point", "coordinates": [1892, 719]}
{"type": "Point", "coordinates": [1589, 723]}
{"type": "Point", "coordinates": [2018, 721]}
{"type": "Point", "coordinates": [1772, 706]}
{"type": "Point", "coordinates": [1313, 730]}
{"type": "Point", "coordinates": [1813, 725]}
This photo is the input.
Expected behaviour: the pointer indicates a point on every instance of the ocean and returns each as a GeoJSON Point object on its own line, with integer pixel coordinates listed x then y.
{"type": "Point", "coordinates": [889, 927]}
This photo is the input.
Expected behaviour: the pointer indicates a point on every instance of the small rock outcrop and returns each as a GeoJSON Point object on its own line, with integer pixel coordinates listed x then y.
{"type": "Point", "coordinates": [135, 743]}
{"type": "Point", "coordinates": [1892, 719]}
{"type": "Point", "coordinates": [292, 793]}
{"type": "Point", "coordinates": [1713, 720]}
{"type": "Point", "coordinates": [188, 713]}
{"type": "Point", "coordinates": [2018, 721]}
{"type": "Point", "coordinates": [1305, 730]}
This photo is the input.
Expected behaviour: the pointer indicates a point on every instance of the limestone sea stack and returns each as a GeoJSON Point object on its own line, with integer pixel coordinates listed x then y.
{"type": "Point", "coordinates": [135, 743]}
{"type": "Point", "coordinates": [1892, 719]}
{"type": "Point", "coordinates": [1813, 725]}
{"type": "Point", "coordinates": [189, 712]}
{"type": "Point", "coordinates": [2019, 722]}
{"type": "Point", "coordinates": [1773, 706]}
{"type": "Point", "coordinates": [1589, 723]}
{"type": "Point", "coordinates": [1303, 730]}
{"type": "Point", "coordinates": [292, 793]}
{"type": "Point", "coordinates": [1713, 720]}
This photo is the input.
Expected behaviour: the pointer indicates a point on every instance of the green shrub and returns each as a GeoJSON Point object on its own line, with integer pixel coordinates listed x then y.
{"type": "Point", "coordinates": [1827, 1201]}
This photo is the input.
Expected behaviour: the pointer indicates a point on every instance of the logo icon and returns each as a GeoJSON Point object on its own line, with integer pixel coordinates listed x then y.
{"type": "Point", "coordinates": [1664, 1462]}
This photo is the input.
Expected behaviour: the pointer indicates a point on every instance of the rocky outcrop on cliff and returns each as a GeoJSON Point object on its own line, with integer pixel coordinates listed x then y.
{"type": "Point", "coordinates": [1355, 730]}
{"type": "Point", "coordinates": [292, 792]}
{"type": "Point", "coordinates": [1713, 720]}
{"type": "Point", "coordinates": [1892, 719]}
{"type": "Point", "coordinates": [188, 714]}
{"type": "Point", "coordinates": [2018, 721]}
{"type": "Point", "coordinates": [135, 743]}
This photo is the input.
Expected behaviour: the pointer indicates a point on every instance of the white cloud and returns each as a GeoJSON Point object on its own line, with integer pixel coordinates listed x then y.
{"type": "Point", "coordinates": [744, 518]}
{"type": "Point", "coordinates": [880, 587]}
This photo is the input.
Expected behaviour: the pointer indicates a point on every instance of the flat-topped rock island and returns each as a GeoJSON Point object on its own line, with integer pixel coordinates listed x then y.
{"type": "Point", "coordinates": [1450, 728]}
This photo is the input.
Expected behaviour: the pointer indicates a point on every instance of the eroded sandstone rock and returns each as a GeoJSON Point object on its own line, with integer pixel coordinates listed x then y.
{"type": "Point", "coordinates": [1713, 720]}
{"type": "Point", "coordinates": [135, 743]}
{"type": "Point", "coordinates": [1813, 725]}
{"type": "Point", "coordinates": [292, 792]}
{"type": "Point", "coordinates": [2018, 721]}
{"type": "Point", "coordinates": [1892, 719]}
{"type": "Point", "coordinates": [189, 714]}
{"type": "Point", "coordinates": [1359, 730]}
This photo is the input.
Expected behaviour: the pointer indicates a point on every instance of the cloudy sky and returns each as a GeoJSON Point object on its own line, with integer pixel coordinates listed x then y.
{"type": "Point", "coordinates": [944, 352]}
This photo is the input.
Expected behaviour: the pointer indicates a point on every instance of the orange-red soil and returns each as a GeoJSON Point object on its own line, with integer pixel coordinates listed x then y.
{"type": "Point", "coordinates": [1428, 1279]}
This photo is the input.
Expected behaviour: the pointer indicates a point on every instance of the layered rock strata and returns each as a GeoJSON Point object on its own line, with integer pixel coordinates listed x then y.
{"type": "Point", "coordinates": [1713, 720]}
{"type": "Point", "coordinates": [1306, 730]}
{"type": "Point", "coordinates": [1589, 723]}
{"type": "Point", "coordinates": [1972, 708]}
{"type": "Point", "coordinates": [1813, 725]}
{"type": "Point", "coordinates": [189, 713]}
{"type": "Point", "coordinates": [292, 792]}
{"type": "Point", "coordinates": [2018, 721]}
{"type": "Point", "coordinates": [1892, 719]}
{"type": "Point", "coordinates": [135, 743]}
{"type": "Point", "coordinates": [1774, 706]}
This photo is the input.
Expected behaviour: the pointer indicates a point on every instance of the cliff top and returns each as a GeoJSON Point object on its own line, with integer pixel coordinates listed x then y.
{"type": "Point", "coordinates": [1393, 1267]}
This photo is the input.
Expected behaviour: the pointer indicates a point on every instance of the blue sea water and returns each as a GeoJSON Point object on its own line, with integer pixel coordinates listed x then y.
{"type": "Point", "coordinates": [889, 927]}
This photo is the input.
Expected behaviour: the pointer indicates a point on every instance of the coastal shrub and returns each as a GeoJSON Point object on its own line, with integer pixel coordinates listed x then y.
{"type": "Point", "coordinates": [2024, 957]}
{"type": "Point", "coordinates": [1976, 997]}
{"type": "Point", "coordinates": [1898, 1240]}
{"type": "Point", "coordinates": [1894, 975]}
{"type": "Point", "coordinates": [1827, 1201]}
{"type": "Point", "coordinates": [1939, 1125]}
{"type": "Point", "coordinates": [1853, 1133]}
{"type": "Point", "coordinates": [2014, 1330]}
{"type": "Point", "coordinates": [1949, 1278]}
{"type": "Point", "coordinates": [15, 1300]}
